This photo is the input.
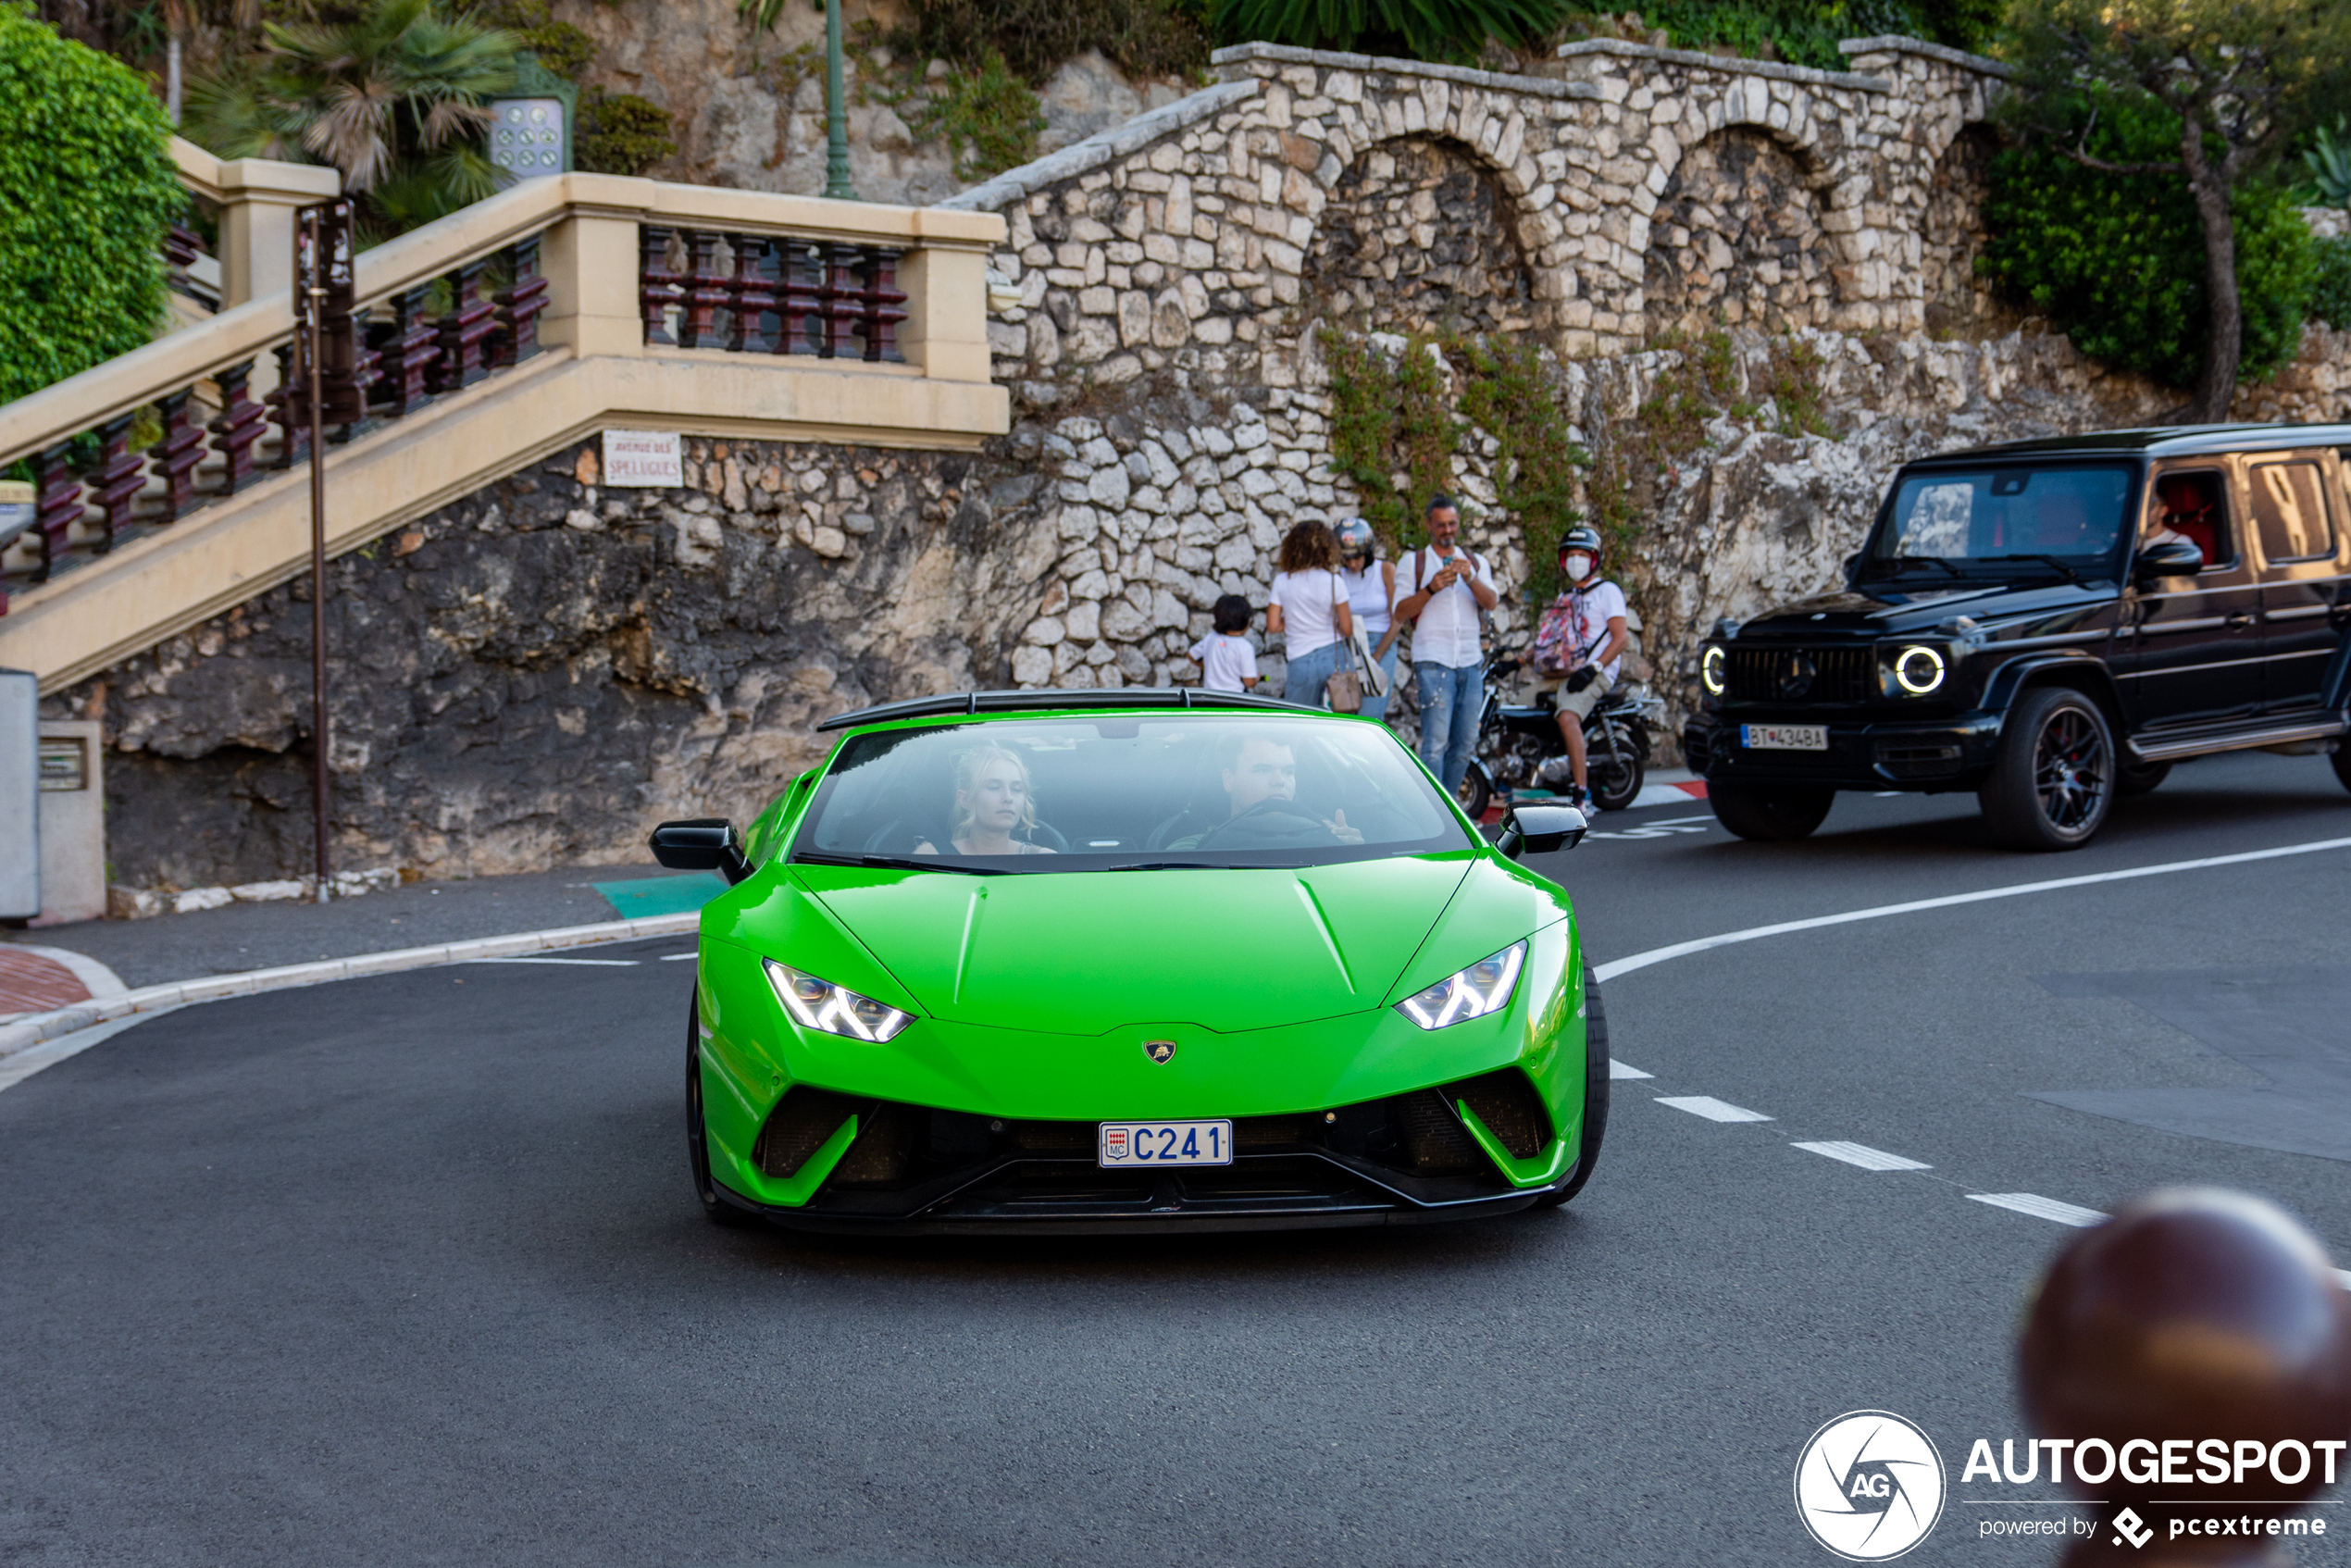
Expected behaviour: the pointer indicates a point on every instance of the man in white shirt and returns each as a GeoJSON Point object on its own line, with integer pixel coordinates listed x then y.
{"type": "Point", "coordinates": [1443, 589]}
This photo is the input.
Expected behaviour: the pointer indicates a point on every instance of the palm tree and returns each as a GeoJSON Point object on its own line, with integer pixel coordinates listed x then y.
{"type": "Point", "coordinates": [394, 94]}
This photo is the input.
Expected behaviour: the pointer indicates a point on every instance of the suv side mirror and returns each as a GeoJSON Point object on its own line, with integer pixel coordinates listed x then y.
{"type": "Point", "coordinates": [2174, 557]}
{"type": "Point", "coordinates": [1540, 829]}
{"type": "Point", "coordinates": [704, 844]}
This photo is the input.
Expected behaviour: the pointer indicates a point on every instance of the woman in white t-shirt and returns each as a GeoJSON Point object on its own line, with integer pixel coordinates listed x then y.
{"type": "Point", "coordinates": [1309, 611]}
{"type": "Point", "coordinates": [1371, 596]}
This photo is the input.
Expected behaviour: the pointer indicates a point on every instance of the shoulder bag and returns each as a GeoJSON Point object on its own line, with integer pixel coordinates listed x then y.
{"type": "Point", "coordinates": [1344, 690]}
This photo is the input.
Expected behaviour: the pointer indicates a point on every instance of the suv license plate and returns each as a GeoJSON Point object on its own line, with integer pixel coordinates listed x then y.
{"type": "Point", "coordinates": [1127, 1144]}
{"type": "Point", "coordinates": [1785, 737]}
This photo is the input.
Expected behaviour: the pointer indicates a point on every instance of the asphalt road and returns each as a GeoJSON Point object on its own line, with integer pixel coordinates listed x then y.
{"type": "Point", "coordinates": [405, 1270]}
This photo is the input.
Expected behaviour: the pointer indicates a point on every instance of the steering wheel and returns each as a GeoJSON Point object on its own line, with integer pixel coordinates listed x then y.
{"type": "Point", "coordinates": [1271, 824]}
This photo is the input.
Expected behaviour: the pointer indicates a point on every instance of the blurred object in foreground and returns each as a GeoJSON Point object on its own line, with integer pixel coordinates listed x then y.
{"type": "Point", "coordinates": [2195, 1316]}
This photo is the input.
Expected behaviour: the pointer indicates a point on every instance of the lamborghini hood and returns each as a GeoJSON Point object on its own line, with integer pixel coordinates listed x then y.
{"type": "Point", "coordinates": [1080, 952]}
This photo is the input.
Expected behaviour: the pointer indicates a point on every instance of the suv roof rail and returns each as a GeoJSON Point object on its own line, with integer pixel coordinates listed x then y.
{"type": "Point", "coordinates": [1048, 701]}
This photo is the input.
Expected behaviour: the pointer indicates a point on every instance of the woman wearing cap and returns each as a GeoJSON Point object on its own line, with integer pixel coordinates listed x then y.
{"type": "Point", "coordinates": [1371, 594]}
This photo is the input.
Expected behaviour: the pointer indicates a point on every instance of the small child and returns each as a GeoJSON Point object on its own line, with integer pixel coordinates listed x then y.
{"type": "Point", "coordinates": [1227, 663]}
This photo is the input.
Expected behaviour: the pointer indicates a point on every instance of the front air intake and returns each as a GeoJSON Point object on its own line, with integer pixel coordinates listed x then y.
{"type": "Point", "coordinates": [1433, 1140]}
{"type": "Point", "coordinates": [798, 1127]}
{"type": "Point", "coordinates": [1507, 1103]}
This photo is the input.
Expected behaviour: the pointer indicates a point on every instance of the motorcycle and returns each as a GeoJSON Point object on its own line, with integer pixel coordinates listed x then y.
{"type": "Point", "coordinates": [1519, 747]}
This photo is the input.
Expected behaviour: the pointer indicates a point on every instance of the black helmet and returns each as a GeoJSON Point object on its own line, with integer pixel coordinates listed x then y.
{"type": "Point", "coordinates": [1355, 538]}
{"type": "Point", "coordinates": [1580, 537]}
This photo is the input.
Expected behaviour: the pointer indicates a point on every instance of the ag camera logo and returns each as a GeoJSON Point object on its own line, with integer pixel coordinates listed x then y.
{"type": "Point", "coordinates": [1869, 1485]}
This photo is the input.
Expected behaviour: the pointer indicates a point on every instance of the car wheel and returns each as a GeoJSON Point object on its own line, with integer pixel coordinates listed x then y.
{"type": "Point", "coordinates": [1616, 781]}
{"type": "Point", "coordinates": [1595, 1082]}
{"type": "Point", "coordinates": [1476, 791]}
{"type": "Point", "coordinates": [1769, 815]}
{"type": "Point", "coordinates": [2140, 778]}
{"type": "Point", "coordinates": [2053, 781]}
{"type": "Point", "coordinates": [714, 1208]}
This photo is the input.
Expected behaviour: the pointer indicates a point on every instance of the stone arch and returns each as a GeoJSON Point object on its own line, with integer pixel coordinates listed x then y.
{"type": "Point", "coordinates": [1951, 232]}
{"type": "Point", "coordinates": [1737, 237]}
{"type": "Point", "coordinates": [1420, 233]}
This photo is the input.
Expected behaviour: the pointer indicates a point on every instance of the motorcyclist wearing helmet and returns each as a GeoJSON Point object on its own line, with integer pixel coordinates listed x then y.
{"type": "Point", "coordinates": [1578, 645]}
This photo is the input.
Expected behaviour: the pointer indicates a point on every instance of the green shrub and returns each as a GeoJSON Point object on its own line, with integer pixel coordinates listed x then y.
{"type": "Point", "coordinates": [2118, 260]}
{"type": "Point", "coordinates": [87, 191]}
{"type": "Point", "coordinates": [2331, 281]}
{"type": "Point", "coordinates": [1144, 37]}
{"type": "Point", "coordinates": [1806, 32]}
{"type": "Point", "coordinates": [621, 133]}
{"type": "Point", "coordinates": [1419, 29]}
{"type": "Point", "coordinates": [987, 114]}
{"type": "Point", "coordinates": [560, 47]}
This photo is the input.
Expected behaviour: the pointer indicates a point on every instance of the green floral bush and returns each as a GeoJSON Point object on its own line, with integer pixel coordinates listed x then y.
{"type": "Point", "coordinates": [87, 192]}
{"type": "Point", "coordinates": [2118, 260]}
{"type": "Point", "coordinates": [621, 133]}
{"type": "Point", "coordinates": [2331, 282]}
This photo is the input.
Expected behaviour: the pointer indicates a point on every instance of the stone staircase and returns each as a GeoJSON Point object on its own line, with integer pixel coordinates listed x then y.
{"type": "Point", "coordinates": [172, 483]}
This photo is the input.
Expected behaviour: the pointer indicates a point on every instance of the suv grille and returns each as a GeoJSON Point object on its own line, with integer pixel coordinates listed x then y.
{"type": "Point", "coordinates": [1803, 675]}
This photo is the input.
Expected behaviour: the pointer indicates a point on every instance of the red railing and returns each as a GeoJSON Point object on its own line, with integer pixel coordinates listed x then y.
{"type": "Point", "coordinates": [93, 488]}
{"type": "Point", "coordinates": [766, 293]}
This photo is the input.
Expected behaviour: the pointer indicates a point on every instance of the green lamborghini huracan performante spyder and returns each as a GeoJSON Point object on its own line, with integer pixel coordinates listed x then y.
{"type": "Point", "coordinates": [1132, 960]}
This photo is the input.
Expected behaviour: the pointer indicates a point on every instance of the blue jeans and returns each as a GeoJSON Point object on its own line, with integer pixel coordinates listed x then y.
{"type": "Point", "coordinates": [1309, 672]}
{"type": "Point", "coordinates": [1376, 707]}
{"type": "Point", "coordinates": [1450, 702]}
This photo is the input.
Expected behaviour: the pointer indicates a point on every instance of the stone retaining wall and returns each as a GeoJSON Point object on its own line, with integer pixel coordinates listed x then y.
{"type": "Point", "coordinates": [537, 674]}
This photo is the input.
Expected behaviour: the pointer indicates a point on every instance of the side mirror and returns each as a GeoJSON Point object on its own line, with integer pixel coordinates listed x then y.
{"type": "Point", "coordinates": [705, 844]}
{"type": "Point", "coordinates": [1540, 830]}
{"type": "Point", "coordinates": [2173, 558]}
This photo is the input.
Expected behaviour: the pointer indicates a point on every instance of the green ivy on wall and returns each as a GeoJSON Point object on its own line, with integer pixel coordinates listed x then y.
{"type": "Point", "coordinates": [87, 192]}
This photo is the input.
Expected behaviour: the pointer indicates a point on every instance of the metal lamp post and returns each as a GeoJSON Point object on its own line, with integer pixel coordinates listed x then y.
{"type": "Point", "coordinates": [836, 111]}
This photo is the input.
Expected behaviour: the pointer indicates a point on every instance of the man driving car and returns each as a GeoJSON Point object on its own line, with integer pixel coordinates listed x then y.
{"type": "Point", "coordinates": [1258, 775]}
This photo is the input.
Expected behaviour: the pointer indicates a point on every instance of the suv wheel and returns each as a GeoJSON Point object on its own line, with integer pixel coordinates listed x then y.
{"type": "Point", "coordinates": [2140, 778]}
{"type": "Point", "coordinates": [2341, 760]}
{"type": "Point", "coordinates": [1769, 815]}
{"type": "Point", "coordinates": [2054, 780]}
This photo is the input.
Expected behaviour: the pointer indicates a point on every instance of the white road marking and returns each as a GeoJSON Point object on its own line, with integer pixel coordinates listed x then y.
{"type": "Point", "coordinates": [1714, 1110]}
{"type": "Point", "coordinates": [674, 957]}
{"type": "Point", "coordinates": [1665, 829]}
{"type": "Point", "coordinates": [591, 962]}
{"type": "Point", "coordinates": [1861, 1154]}
{"type": "Point", "coordinates": [1682, 950]}
{"type": "Point", "coordinates": [2040, 1208]}
{"type": "Point", "coordinates": [1619, 1070]}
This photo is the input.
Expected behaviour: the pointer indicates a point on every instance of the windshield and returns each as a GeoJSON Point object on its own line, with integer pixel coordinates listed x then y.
{"type": "Point", "coordinates": [1111, 792]}
{"type": "Point", "coordinates": [1966, 522]}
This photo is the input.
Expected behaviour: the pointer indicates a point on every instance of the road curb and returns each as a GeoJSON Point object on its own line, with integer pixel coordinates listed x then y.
{"type": "Point", "coordinates": [26, 1033]}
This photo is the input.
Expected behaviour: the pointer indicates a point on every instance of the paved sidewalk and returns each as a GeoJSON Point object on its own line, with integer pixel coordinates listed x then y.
{"type": "Point", "coordinates": [261, 936]}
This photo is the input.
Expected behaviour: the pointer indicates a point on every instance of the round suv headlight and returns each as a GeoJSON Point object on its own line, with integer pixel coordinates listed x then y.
{"type": "Point", "coordinates": [1919, 671]}
{"type": "Point", "coordinates": [1710, 671]}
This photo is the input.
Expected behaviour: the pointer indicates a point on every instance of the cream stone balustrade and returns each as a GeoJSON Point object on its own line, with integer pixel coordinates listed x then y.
{"type": "Point", "coordinates": [494, 337]}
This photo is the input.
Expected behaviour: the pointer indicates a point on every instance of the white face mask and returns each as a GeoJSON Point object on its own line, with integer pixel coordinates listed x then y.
{"type": "Point", "coordinates": [1578, 567]}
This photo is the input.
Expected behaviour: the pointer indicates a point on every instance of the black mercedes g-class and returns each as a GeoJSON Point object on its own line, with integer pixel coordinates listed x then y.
{"type": "Point", "coordinates": [2050, 624]}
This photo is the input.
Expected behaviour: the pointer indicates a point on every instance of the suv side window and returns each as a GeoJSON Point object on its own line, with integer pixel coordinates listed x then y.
{"type": "Point", "coordinates": [2290, 509]}
{"type": "Point", "coordinates": [2192, 503]}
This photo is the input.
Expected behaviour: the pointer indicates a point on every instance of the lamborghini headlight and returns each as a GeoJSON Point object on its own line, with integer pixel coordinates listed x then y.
{"type": "Point", "coordinates": [1483, 988]}
{"type": "Point", "coordinates": [1710, 671]}
{"type": "Point", "coordinates": [820, 1004]}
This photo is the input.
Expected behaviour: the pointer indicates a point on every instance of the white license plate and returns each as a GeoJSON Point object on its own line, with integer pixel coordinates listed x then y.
{"type": "Point", "coordinates": [1784, 736]}
{"type": "Point", "coordinates": [1126, 1144]}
